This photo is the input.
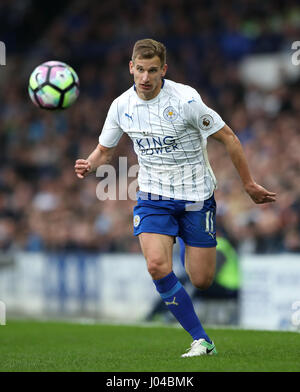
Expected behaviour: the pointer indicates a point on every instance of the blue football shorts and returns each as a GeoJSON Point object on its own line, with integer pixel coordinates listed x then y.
{"type": "Point", "coordinates": [194, 222]}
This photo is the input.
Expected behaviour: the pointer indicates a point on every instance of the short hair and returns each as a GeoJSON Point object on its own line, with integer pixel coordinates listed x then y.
{"type": "Point", "coordinates": [148, 48]}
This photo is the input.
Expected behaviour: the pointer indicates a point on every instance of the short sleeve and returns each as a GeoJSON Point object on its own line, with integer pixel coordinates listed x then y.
{"type": "Point", "coordinates": [111, 131]}
{"type": "Point", "coordinates": [201, 116]}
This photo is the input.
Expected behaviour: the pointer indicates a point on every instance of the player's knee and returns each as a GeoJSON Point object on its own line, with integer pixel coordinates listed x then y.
{"type": "Point", "coordinates": [202, 282]}
{"type": "Point", "coordinates": [157, 267]}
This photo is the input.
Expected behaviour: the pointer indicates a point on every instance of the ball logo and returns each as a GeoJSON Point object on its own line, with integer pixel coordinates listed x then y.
{"type": "Point", "coordinates": [170, 114]}
{"type": "Point", "coordinates": [136, 220]}
{"type": "Point", "coordinates": [206, 122]}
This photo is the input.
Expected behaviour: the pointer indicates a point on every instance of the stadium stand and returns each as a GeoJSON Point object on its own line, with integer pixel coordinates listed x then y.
{"type": "Point", "coordinates": [43, 206]}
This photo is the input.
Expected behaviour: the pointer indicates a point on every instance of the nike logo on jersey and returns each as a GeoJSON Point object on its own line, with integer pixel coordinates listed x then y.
{"type": "Point", "coordinates": [127, 115]}
{"type": "Point", "coordinates": [191, 100]}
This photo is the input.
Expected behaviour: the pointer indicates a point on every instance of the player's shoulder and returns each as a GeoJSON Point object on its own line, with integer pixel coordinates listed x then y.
{"type": "Point", "coordinates": [181, 91]}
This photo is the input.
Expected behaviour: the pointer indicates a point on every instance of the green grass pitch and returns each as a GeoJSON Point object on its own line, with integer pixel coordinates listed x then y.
{"type": "Point", "coordinates": [30, 346]}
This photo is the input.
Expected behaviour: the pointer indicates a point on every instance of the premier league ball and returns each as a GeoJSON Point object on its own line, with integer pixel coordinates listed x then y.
{"type": "Point", "coordinates": [53, 85]}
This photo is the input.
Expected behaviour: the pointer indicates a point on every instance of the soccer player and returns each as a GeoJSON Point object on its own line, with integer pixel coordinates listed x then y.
{"type": "Point", "coordinates": [169, 125]}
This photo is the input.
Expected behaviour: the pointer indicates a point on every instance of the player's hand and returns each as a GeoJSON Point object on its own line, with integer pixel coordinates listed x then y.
{"type": "Point", "coordinates": [259, 194]}
{"type": "Point", "coordinates": [82, 168]}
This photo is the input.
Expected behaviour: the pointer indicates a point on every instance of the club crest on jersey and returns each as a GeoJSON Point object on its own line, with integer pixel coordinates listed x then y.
{"type": "Point", "coordinates": [206, 122]}
{"type": "Point", "coordinates": [136, 220]}
{"type": "Point", "coordinates": [170, 114]}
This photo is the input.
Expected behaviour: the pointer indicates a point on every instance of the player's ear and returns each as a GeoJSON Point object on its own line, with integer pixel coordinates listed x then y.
{"type": "Point", "coordinates": [164, 70]}
{"type": "Point", "coordinates": [131, 67]}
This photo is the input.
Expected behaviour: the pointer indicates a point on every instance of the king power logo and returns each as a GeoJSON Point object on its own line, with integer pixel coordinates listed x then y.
{"type": "Point", "coordinates": [2, 53]}
{"type": "Point", "coordinates": [158, 145]}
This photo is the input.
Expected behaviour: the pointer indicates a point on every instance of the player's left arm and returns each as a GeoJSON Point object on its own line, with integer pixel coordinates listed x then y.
{"type": "Point", "coordinates": [233, 146]}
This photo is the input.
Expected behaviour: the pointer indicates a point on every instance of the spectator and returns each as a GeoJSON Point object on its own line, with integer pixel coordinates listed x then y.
{"type": "Point", "coordinates": [42, 206]}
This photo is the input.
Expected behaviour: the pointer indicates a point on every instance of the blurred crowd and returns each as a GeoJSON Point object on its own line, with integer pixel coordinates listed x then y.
{"type": "Point", "coordinates": [44, 206]}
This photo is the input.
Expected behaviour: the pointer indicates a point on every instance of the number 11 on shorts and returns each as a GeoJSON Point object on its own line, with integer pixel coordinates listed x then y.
{"type": "Point", "coordinates": [209, 222]}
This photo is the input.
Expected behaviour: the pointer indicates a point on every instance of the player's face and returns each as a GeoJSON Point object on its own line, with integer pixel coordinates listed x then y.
{"type": "Point", "coordinates": [147, 74]}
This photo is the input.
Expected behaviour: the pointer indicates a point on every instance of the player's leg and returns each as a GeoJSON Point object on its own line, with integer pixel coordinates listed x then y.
{"type": "Point", "coordinates": [197, 229]}
{"type": "Point", "coordinates": [158, 250]}
{"type": "Point", "coordinates": [156, 226]}
{"type": "Point", "coordinates": [200, 265]}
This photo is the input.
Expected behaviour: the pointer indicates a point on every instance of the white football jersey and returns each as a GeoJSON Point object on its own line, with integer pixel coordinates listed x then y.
{"type": "Point", "coordinates": [169, 135]}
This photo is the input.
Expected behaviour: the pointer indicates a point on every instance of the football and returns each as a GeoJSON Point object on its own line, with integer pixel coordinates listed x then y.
{"type": "Point", "coordinates": [53, 85]}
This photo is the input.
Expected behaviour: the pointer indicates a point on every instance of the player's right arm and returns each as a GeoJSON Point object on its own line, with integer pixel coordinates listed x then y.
{"type": "Point", "coordinates": [108, 140]}
{"type": "Point", "coordinates": [100, 156]}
